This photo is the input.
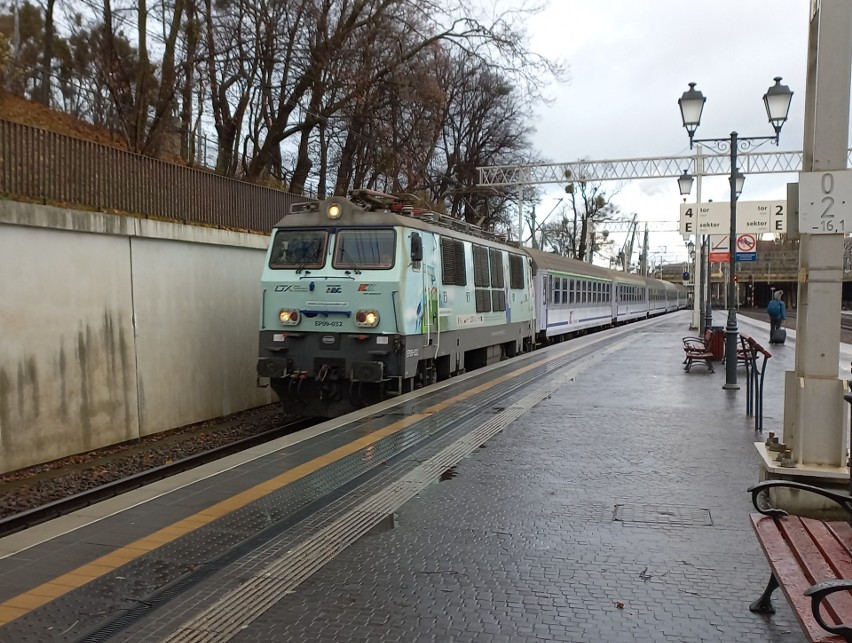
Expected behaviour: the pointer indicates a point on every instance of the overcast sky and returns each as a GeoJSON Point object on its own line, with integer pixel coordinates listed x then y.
{"type": "Point", "coordinates": [630, 61]}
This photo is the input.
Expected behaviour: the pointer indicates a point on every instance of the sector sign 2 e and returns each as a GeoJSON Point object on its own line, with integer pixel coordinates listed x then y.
{"type": "Point", "coordinates": [755, 217]}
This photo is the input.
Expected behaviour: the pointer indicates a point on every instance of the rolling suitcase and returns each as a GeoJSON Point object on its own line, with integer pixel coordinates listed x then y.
{"type": "Point", "coordinates": [778, 336]}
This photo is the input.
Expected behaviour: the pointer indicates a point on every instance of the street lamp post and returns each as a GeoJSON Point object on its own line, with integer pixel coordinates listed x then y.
{"type": "Point", "coordinates": [690, 255]}
{"type": "Point", "coordinates": [777, 101]}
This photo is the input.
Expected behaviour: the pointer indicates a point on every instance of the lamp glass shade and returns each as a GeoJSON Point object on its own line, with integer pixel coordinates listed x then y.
{"type": "Point", "coordinates": [777, 100]}
{"type": "Point", "coordinates": [684, 183]}
{"type": "Point", "coordinates": [691, 105]}
{"type": "Point", "coordinates": [739, 181]}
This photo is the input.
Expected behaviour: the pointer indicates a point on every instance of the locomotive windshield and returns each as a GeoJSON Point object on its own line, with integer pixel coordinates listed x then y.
{"type": "Point", "coordinates": [298, 249]}
{"type": "Point", "coordinates": [364, 249]}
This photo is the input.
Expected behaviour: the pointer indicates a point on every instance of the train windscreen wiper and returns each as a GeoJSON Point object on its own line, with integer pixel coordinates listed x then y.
{"type": "Point", "coordinates": [344, 254]}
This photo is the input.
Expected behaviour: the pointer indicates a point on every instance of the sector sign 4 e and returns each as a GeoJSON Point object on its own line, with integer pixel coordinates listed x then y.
{"type": "Point", "coordinates": [754, 217]}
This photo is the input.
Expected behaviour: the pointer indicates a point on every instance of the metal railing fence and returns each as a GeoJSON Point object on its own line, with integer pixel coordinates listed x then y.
{"type": "Point", "coordinates": [37, 164]}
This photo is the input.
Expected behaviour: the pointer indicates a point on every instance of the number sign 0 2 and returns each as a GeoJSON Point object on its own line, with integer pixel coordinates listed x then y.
{"type": "Point", "coordinates": [825, 199]}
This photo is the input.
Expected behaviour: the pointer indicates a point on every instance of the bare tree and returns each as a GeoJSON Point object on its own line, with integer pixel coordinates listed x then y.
{"type": "Point", "coordinates": [590, 205]}
{"type": "Point", "coordinates": [484, 124]}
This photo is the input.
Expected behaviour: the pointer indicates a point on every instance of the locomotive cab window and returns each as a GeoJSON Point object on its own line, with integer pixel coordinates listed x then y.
{"type": "Point", "coordinates": [359, 248]}
{"type": "Point", "coordinates": [298, 249]}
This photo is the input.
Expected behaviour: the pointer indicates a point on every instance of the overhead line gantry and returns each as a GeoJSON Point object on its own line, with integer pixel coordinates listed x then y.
{"type": "Point", "coordinates": [659, 167]}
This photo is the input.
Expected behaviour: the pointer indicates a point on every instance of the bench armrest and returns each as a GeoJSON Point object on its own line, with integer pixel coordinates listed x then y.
{"type": "Point", "coordinates": [818, 593]}
{"type": "Point", "coordinates": [841, 499]}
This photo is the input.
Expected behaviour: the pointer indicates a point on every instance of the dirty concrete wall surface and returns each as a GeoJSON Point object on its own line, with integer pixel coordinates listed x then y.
{"type": "Point", "coordinates": [197, 310]}
{"type": "Point", "coordinates": [113, 327]}
{"type": "Point", "coordinates": [67, 374]}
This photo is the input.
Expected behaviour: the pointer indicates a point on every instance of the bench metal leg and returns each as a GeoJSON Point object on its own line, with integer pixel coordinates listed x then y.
{"type": "Point", "coordinates": [763, 605]}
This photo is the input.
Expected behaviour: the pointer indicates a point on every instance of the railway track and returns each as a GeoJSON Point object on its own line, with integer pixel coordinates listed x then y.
{"type": "Point", "coordinates": [63, 506]}
{"type": "Point", "coordinates": [845, 320]}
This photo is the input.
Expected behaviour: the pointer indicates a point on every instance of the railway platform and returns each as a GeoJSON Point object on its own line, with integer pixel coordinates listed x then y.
{"type": "Point", "coordinates": [592, 491]}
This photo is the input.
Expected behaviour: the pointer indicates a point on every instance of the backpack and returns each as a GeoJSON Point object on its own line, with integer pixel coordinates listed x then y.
{"type": "Point", "coordinates": [774, 309]}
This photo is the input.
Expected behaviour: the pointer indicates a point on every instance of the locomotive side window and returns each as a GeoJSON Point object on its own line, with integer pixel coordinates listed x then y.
{"type": "Point", "coordinates": [516, 272]}
{"type": "Point", "coordinates": [453, 272]}
{"type": "Point", "coordinates": [372, 249]}
{"type": "Point", "coordinates": [497, 278]}
{"type": "Point", "coordinates": [498, 281]}
{"type": "Point", "coordinates": [480, 267]}
{"type": "Point", "coordinates": [481, 279]}
{"type": "Point", "coordinates": [298, 249]}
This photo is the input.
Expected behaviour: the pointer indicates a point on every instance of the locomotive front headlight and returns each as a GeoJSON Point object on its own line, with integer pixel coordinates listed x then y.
{"type": "Point", "coordinates": [334, 211]}
{"type": "Point", "coordinates": [367, 318]}
{"type": "Point", "coordinates": [289, 317]}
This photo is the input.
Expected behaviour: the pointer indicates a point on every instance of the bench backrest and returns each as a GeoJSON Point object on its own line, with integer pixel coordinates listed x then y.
{"type": "Point", "coordinates": [749, 344]}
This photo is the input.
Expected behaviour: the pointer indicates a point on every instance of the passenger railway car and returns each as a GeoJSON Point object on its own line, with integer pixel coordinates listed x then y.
{"type": "Point", "coordinates": [370, 297]}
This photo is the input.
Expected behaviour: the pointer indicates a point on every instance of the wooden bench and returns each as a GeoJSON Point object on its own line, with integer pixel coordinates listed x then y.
{"type": "Point", "coordinates": [810, 560]}
{"type": "Point", "coordinates": [698, 349]}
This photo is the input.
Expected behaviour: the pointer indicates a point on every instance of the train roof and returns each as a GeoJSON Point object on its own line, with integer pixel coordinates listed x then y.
{"type": "Point", "coordinates": [381, 213]}
{"type": "Point", "coordinates": [668, 285]}
{"type": "Point", "coordinates": [551, 261]}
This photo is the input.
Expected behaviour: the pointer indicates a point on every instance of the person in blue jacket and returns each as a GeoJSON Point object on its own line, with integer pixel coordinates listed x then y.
{"type": "Point", "coordinates": [777, 311]}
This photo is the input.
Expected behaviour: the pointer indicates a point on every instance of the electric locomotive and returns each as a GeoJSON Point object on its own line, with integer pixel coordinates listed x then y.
{"type": "Point", "coordinates": [370, 297]}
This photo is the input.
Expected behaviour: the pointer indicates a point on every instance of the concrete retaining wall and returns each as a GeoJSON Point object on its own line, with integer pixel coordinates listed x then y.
{"type": "Point", "coordinates": [113, 328]}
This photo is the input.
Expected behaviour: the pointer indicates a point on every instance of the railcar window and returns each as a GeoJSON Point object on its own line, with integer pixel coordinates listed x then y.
{"type": "Point", "coordinates": [453, 271]}
{"type": "Point", "coordinates": [372, 248]}
{"type": "Point", "coordinates": [516, 272]}
{"type": "Point", "coordinates": [299, 249]}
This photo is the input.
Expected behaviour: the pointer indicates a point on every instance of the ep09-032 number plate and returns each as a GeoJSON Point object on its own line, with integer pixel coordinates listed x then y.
{"type": "Point", "coordinates": [825, 202]}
